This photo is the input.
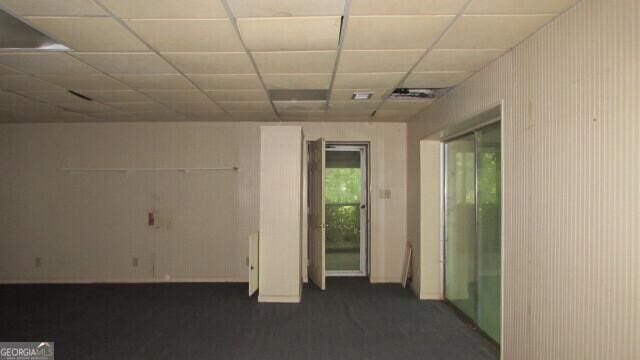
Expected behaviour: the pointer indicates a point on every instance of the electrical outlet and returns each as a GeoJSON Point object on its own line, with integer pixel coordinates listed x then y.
{"type": "Point", "coordinates": [134, 262]}
{"type": "Point", "coordinates": [38, 262]}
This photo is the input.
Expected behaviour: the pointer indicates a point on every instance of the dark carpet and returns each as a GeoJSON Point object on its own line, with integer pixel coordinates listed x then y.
{"type": "Point", "coordinates": [351, 320]}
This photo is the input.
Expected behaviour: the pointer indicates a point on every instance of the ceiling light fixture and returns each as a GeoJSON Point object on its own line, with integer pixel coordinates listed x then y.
{"type": "Point", "coordinates": [361, 95]}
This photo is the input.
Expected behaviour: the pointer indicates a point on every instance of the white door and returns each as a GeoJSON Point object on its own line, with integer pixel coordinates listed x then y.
{"type": "Point", "coordinates": [317, 213]}
{"type": "Point", "coordinates": [253, 263]}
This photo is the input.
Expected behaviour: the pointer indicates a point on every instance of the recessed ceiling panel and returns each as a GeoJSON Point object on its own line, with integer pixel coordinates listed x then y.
{"type": "Point", "coordinates": [435, 79]}
{"type": "Point", "coordinates": [84, 82]}
{"type": "Point", "coordinates": [25, 83]}
{"type": "Point", "coordinates": [237, 95]}
{"type": "Point", "coordinates": [166, 9]}
{"type": "Point", "coordinates": [371, 61]}
{"type": "Point", "coordinates": [127, 63]}
{"type": "Point", "coordinates": [493, 7]}
{"type": "Point", "coordinates": [188, 35]}
{"type": "Point", "coordinates": [457, 60]}
{"type": "Point", "coordinates": [172, 96]}
{"type": "Point", "coordinates": [212, 63]}
{"type": "Point", "coordinates": [89, 33]}
{"type": "Point", "coordinates": [227, 82]}
{"type": "Point", "coordinates": [491, 31]}
{"type": "Point", "coordinates": [394, 32]}
{"type": "Point", "coordinates": [285, 8]}
{"type": "Point", "coordinates": [406, 7]}
{"type": "Point", "coordinates": [53, 7]}
{"type": "Point", "coordinates": [297, 81]}
{"type": "Point", "coordinates": [300, 105]}
{"type": "Point", "coordinates": [281, 62]}
{"type": "Point", "coordinates": [290, 34]}
{"type": "Point", "coordinates": [156, 82]}
{"type": "Point", "coordinates": [45, 63]}
{"type": "Point", "coordinates": [367, 81]}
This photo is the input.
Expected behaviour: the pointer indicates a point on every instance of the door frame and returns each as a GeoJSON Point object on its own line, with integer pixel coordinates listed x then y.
{"type": "Point", "coordinates": [363, 148]}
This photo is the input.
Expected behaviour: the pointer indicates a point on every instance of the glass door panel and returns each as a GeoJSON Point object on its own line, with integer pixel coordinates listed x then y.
{"type": "Point", "coordinates": [460, 243]}
{"type": "Point", "coordinates": [489, 230]}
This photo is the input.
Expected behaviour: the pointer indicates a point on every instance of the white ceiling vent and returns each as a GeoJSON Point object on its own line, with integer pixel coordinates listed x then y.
{"type": "Point", "coordinates": [16, 35]}
{"type": "Point", "coordinates": [361, 95]}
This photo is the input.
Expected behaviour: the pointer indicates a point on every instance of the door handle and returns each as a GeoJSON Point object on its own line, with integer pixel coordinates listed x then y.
{"type": "Point", "coordinates": [363, 206]}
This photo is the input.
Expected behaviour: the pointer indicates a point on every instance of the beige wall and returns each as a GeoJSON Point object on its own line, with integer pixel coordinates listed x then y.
{"type": "Point", "coordinates": [571, 125]}
{"type": "Point", "coordinates": [280, 213]}
{"type": "Point", "coordinates": [89, 227]}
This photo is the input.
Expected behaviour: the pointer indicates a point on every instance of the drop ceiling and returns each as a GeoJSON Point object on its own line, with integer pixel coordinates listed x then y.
{"type": "Point", "coordinates": [218, 60]}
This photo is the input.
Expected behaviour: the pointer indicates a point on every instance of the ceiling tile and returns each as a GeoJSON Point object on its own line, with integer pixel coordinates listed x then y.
{"type": "Point", "coordinates": [457, 60]}
{"type": "Point", "coordinates": [353, 107]}
{"type": "Point", "coordinates": [7, 71]}
{"type": "Point", "coordinates": [286, 8]}
{"type": "Point", "coordinates": [405, 7]}
{"type": "Point", "coordinates": [212, 63]}
{"type": "Point", "coordinates": [146, 116]}
{"type": "Point", "coordinates": [297, 81]}
{"type": "Point", "coordinates": [491, 31]}
{"type": "Point", "coordinates": [371, 61]}
{"type": "Point", "coordinates": [290, 34]}
{"type": "Point", "coordinates": [89, 33]}
{"type": "Point", "coordinates": [85, 107]}
{"type": "Point", "coordinates": [394, 32]}
{"type": "Point", "coordinates": [45, 63]}
{"type": "Point", "coordinates": [84, 82]}
{"type": "Point", "coordinates": [127, 63]}
{"type": "Point", "coordinates": [233, 106]}
{"type": "Point", "coordinates": [406, 105]}
{"type": "Point", "coordinates": [518, 6]}
{"type": "Point", "coordinates": [227, 81]}
{"type": "Point", "coordinates": [156, 82]}
{"type": "Point", "coordinates": [25, 83]}
{"type": "Point", "coordinates": [254, 116]}
{"type": "Point", "coordinates": [173, 96]}
{"type": "Point", "coordinates": [237, 95]}
{"type": "Point", "coordinates": [188, 35]}
{"type": "Point", "coordinates": [282, 62]}
{"type": "Point", "coordinates": [53, 7]}
{"type": "Point", "coordinates": [367, 81]}
{"type": "Point", "coordinates": [346, 94]}
{"type": "Point", "coordinates": [116, 96]}
{"type": "Point", "coordinates": [52, 97]}
{"type": "Point", "coordinates": [10, 98]}
{"type": "Point", "coordinates": [435, 79]}
{"type": "Point", "coordinates": [138, 106]}
{"type": "Point", "coordinates": [203, 107]}
{"type": "Point", "coordinates": [166, 9]}
{"type": "Point", "coordinates": [300, 105]}
{"type": "Point", "coordinates": [394, 115]}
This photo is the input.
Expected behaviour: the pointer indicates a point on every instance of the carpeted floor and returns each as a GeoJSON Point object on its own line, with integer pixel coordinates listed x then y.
{"type": "Point", "coordinates": [351, 320]}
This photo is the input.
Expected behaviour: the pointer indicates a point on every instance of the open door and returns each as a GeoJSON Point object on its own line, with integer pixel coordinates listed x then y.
{"type": "Point", "coordinates": [317, 213]}
{"type": "Point", "coordinates": [253, 263]}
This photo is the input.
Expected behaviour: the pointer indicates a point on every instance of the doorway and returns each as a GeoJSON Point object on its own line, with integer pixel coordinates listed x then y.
{"type": "Point", "coordinates": [346, 209]}
{"type": "Point", "coordinates": [472, 227]}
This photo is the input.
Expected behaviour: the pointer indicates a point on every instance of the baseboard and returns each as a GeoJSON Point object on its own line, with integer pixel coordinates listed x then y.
{"type": "Point", "coordinates": [385, 280]}
{"type": "Point", "coordinates": [431, 296]}
{"type": "Point", "coordinates": [279, 298]}
{"type": "Point", "coordinates": [123, 281]}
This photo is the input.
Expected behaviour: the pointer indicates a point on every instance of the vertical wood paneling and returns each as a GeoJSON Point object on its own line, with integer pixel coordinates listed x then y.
{"type": "Point", "coordinates": [571, 114]}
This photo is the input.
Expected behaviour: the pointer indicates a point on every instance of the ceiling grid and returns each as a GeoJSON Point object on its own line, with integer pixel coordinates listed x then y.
{"type": "Point", "coordinates": [218, 60]}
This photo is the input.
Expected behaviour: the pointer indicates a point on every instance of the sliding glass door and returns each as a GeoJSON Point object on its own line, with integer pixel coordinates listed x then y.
{"type": "Point", "coordinates": [472, 227]}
